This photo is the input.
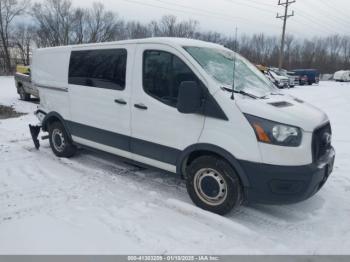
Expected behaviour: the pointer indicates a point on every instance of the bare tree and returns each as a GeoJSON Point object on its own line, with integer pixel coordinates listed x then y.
{"type": "Point", "coordinates": [289, 41]}
{"type": "Point", "coordinates": [23, 40]}
{"type": "Point", "coordinates": [80, 17]}
{"type": "Point", "coordinates": [54, 19]}
{"type": "Point", "coordinates": [186, 29]}
{"type": "Point", "coordinates": [170, 27]}
{"type": "Point", "coordinates": [209, 36]}
{"type": "Point", "coordinates": [9, 10]}
{"type": "Point", "coordinates": [135, 30]}
{"type": "Point", "coordinates": [167, 26]}
{"type": "Point", "coordinates": [345, 45]}
{"type": "Point", "coordinates": [153, 27]}
{"type": "Point", "coordinates": [58, 23]}
{"type": "Point", "coordinates": [103, 25]}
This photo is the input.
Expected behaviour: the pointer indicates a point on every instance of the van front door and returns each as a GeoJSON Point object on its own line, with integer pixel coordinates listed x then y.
{"type": "Point", "coordinates": [159, 132]}
{"type": "Point", "coordinates": [99, 89]}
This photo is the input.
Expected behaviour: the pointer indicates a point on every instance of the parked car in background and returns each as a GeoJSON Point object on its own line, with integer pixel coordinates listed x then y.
{"type": "Point", "coordinates": [308, 76]}
{"type": "Point", "coordinates": [342, 76]}
{"type": "Point", "coordinates": [292, 77]}
{"type": "Point", "coordinates": [279, 80]}
{"type": "Point", "coordinates": [266, 71]}
{"type": "Point", "coordinates": [303, 80]}
{"type": "Point", "coordinates": [24, 85]}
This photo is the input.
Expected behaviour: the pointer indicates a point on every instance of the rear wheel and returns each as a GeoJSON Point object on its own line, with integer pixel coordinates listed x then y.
{"type": "Point", "coordinates": [22, 94]}
{"type": "Point", "coordinates": [213, 185]}
{"type": "Point", "coordinates": [60, 143]}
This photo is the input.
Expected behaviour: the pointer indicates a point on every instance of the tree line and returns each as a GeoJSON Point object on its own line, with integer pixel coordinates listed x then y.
{"type": "Point", "coordinates": [25, 25]}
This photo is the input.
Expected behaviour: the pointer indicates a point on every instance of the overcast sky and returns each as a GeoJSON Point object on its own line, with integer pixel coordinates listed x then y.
{"type": "Point", "coordinates": [312, 17]}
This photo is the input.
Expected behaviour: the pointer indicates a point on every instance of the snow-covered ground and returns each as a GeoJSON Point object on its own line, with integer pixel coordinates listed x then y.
{"type": "Point", "coordinates": [96, 204]}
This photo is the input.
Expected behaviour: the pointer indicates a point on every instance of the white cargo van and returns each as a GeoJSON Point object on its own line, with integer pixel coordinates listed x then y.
{"type": "Point", "coordinates": [169, 103]}
{"type": "Point", "coordinates": [342, 76]}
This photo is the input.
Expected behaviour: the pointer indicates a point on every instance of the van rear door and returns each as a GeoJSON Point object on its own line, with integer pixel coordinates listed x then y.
{"type": "Point", "coordinates": [99, 89]}
{"type": "Point", "coordinates": [159, 131]}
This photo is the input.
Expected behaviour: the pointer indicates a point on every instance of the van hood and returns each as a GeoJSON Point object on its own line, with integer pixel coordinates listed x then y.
{"type": "Point", "coordinates": [285, 109]}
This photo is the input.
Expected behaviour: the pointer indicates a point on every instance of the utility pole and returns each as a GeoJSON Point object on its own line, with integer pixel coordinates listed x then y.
{"type": "Point", "coordinates": [286, 5]}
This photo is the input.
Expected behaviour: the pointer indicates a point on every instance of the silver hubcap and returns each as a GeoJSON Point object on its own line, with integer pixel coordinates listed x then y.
{"type": "Point", "coordinates": [210, 186]}
{"type": "Point", "coordinates": [58, 140]}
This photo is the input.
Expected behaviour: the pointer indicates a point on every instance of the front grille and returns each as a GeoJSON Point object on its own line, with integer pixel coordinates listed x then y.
{"type": "Point", "coordinates": [320, 143]}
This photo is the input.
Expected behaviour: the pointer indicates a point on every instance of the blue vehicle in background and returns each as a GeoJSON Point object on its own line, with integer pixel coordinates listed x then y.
{"type": "Point", "coordinates": [308, 76]}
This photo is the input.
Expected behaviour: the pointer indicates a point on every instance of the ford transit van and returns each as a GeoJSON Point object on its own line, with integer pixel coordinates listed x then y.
{"type": "Point", "coordinates": [187, 107]}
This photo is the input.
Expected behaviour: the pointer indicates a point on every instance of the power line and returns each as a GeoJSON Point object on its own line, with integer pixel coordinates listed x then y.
{"type": "Point", "coordinates": [326, 3]}
{"type": "Point", "coordinates": [255, 7]}
{"type": "Point", "coordinates": [306, 17]}
{"type": "Point", "coordinates": [284, 17]}
{"type": "Point", "coordinates": [341, 17]}
{"type": "Point", "coordinates": [222, 16]}
{"type": "Point", "coordinates": [259, 3]}
{"type": "Point", "coordinates": [311, 25]}
{"type": "Point", "coordinates": [206, 11]}
{"type": "Point", "coordinates": [249, 5]}
{"type": "Point", "coordinates": [326, 16]}
{"type": "Point", "coordinates": [199, 12]}
{"type": "Point", "coordinates": [315, 21]}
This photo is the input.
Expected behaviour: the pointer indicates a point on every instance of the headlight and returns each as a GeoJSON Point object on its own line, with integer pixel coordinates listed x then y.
{"type": "Point", "coordinates": [274, 133]}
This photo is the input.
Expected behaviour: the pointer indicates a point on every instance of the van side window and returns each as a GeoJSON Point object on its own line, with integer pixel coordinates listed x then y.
{"type": "Point", "coordinates": [104, 68]}
{"type": "Point", "coordinates": [163, 73]}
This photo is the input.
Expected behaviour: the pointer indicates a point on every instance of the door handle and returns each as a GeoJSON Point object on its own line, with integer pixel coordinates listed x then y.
{"type": "Point", "coordinates": [120, 101]}
{"type": "Point", "coordinates": [141, 106]}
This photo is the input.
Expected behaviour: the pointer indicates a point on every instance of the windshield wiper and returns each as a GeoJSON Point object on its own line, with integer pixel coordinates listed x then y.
{"type": "Point", "coordinates": [240, 92]}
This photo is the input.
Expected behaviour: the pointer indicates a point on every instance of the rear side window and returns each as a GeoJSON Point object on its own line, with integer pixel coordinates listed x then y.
{"type": "Point", "coordinates": [104, 68]}
{"type": "Point", "coordinates": [163, 73]}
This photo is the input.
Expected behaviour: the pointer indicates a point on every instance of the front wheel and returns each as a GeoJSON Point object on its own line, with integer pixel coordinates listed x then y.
{"type": "Point", "coordinates": [60, 143]}
{"type": "Point", "coordinates": [213, 185]}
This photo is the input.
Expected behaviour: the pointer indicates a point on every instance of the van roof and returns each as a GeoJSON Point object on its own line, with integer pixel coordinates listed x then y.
{"type": "Point", "coordinates": [173, 41]}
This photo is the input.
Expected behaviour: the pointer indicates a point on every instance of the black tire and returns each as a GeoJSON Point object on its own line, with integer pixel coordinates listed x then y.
{"type": "Point", "coordinates": [60, 143]}
{"type": "Point", "coordinates": [22, 94]}
{"type": "Point", "coordinates": [200, 178]}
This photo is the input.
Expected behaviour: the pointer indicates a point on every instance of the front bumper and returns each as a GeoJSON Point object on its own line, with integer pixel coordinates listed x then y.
{"type": "Point", "coordinates": [282, 84]}
{"type": "Point", "coordinates": [271, 184]}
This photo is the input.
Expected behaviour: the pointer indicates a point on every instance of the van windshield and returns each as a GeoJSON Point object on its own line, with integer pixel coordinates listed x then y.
{"type": "Point", "coordinates": [219, 64]}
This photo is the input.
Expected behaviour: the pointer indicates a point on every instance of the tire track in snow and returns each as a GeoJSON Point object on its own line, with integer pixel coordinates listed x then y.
{"type": "Point", "coordinates": [88, 162]}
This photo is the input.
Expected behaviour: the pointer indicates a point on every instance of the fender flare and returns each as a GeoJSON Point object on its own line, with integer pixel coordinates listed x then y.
{"type": "Point", "coordinates": [56, 115]}
{"type": "Point", "coordinates": [217, 150]}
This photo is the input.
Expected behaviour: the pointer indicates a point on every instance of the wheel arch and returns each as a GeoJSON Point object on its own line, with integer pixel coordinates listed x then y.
{"type": "Point", "coordinates": [194, 151]}
{"type": "Point", "coordinates": [53, 117]}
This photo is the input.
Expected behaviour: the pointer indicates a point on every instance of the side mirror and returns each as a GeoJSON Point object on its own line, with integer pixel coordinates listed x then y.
{"type": "Point", "coordinates": [189, 98]}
